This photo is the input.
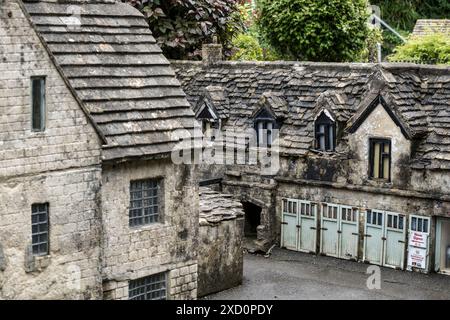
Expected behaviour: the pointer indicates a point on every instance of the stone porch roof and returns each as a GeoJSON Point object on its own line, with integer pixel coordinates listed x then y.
{"type": "Point", "coordinates": [113, 64]}
{"type": "Point", "coordinates": [216, 207]}
{"type": "Point", "coordinates": [419, 96]}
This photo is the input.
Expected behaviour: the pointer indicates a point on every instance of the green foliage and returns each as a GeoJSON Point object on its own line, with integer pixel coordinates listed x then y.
{"type": "Point", "coordinates": [403, 14]}
{"type": "Point", "coordinates": [248, 48]}
{"type": "Point", "coordinates": [315, 30]}
{"type": "Point", "coordinates": [433, 49]}
{"type": "Point", "coordinates": [370, 52]}
{"type": "Point", "coordinates": [182, 26]}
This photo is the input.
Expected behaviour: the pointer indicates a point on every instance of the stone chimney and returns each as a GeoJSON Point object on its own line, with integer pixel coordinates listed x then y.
{"type": "Point", "coordinates": [212, 52]}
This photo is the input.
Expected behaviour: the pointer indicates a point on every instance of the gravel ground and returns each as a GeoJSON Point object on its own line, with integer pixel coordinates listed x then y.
{"type": "Point", "coordinates": [288, 275]}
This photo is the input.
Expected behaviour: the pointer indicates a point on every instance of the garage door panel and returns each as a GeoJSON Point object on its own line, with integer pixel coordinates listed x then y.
{"type": "Point", "coordinates": [349, 241]}
{"type": "Point", "coordinates": [308, 234]}
{"type": "Point", "coordinates": [395, 248]}
{"type": "Point", "coordinates": [373, 245]}
{"type": "Point", "coordinates": [290, 231]}
{"type": "Point", "coordinates": [329, 238]}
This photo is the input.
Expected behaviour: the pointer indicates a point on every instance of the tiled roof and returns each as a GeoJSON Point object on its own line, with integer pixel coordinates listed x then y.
{"type": "Point", "coordinates": [420, 95]}
{"type": "Point", "coordinates": [429, 26]}
{"type": "Point", "coordinates": [112, 61]}
{"type": "Point", "coordinates": [216, 207]}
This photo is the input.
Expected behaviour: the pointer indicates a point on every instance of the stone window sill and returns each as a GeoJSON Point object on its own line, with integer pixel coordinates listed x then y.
{"type": "Point", "coordinates": [149, 227]}
{"type": "Point", "coordinates": [39, 263]}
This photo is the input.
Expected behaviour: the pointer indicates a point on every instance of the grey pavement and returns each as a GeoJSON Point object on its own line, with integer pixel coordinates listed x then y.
{"type": "Point", "coordinates": [292, 275]}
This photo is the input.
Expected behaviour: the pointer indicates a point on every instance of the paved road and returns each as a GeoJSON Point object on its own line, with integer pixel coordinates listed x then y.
{"type": "Point", "coordinates": [292, 275]}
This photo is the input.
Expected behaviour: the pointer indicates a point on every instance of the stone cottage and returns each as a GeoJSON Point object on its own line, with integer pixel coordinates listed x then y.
{"type": "Point", "coordinates": [91, 204]}
{"type": "Point", "coordinates": [363, 154]}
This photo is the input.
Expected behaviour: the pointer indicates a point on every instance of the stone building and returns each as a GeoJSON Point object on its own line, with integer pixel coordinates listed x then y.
{"type": "Point", "coordinates": [363, 153]}
{"type": "Point", "coordinates": [91, 204]}
{"type": "Point", "coordinates": [221, 235]}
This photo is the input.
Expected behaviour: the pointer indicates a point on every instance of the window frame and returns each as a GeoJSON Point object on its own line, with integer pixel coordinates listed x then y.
{"type": "Point", "coordinates": [382, 141]}
{"type": "Point", "coordinates": [160, 203]}
{"type": "Point", "coordinates": [42, 106]}
{"type": "Point", "coordinates": [133, 285]}
{"type": "Point", "coordinates": [329, 128]}
{"type": "Point", "coordinates": [38, 212]}
{"type": "Point", "coordinates": [264, 134]}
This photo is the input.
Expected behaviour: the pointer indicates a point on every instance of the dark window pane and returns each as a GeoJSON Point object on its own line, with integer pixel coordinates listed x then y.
{"type": "Point", "coordinates": [39, 228]}
{"type": "Point", "coordinates": [425, 225]}
{"type": "Point", "coordinates": [144, 204]}
{"type": "Point", "coordinates": [38, 103]}
{"type": "Point", "coordinates": [148, 288]}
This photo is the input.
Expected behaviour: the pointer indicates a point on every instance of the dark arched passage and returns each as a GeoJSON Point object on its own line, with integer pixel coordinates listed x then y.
{"type": "Point", "coordinates": [252, 219]}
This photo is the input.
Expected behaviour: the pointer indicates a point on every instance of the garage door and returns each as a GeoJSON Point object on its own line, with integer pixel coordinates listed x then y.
{"type": "Point", "coordinates": [384, 238]}
{"type": "Point", "coordinates": [339, 231]}
{"type": "Point", "coordinates": [299, 225]}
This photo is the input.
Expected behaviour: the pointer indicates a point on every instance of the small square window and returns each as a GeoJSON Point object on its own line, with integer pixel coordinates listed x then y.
{"type": "Point", "coordinates": [145, 202]}
{"type": "Point", "coordinates": [153, 287]}
{"type": "Point", "coordinates": [40, 229]}
{"type": "Point", "coordinates": [38, 103]}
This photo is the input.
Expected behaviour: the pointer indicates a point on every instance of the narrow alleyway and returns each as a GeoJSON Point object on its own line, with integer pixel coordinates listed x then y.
{"type": "Point", "coordinates": [293, 275]}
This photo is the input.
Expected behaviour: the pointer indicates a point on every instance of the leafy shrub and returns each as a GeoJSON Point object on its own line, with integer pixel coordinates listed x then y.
{"type": "Point", "coordinates": [182, 26]}
{"type": "Point", "coordinates": [431, 49]}
{"type": "Point", "coordinates": [247, 48]}
{"type": "Point", "coordinates": [316, 30]}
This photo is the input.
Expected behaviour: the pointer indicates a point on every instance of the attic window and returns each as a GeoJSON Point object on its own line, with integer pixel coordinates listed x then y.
{"type": "Point", "coordinates": [210, 122]}
{"type": "Point", "coordinates": [380, 159]}
{"type": "Point", "coordinates": [325, 132]}
{"type": "Point", "coordinates": [208, 128]}
{"type": "Point", "coordinates": [264, 130]}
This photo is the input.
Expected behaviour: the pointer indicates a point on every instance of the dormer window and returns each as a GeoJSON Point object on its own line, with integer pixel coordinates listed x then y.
{"type": "Point", "coordinates": [325, 129]}
{"type": "Point", "coordinates": [210, 121]}
{"type": "Point", "coordinates": [208, 128]}
{"type": "Point", "coordinates": [380, 159]}
{"type": "Point", "coordinates": [264, 130]}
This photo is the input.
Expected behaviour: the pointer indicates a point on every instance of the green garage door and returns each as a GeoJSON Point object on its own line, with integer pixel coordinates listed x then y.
{"type": "Point", "coordinates": [299, 225]}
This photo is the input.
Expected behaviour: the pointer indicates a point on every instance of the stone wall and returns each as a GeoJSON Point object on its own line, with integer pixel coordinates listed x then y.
{"type": "Point", "coordinates": [70, 271]}
{"type": "Point", "coordinates": [60, 166]}
{"type": "Point", "coordinates": [69, 140]}
{"type": "Point", "coordinates": [134, 252]}
{"type": "Point", "coordinates": [221, 232]}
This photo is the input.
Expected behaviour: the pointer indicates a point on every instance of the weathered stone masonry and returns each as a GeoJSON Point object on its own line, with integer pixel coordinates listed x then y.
{"type": "Point", "coordinates": [407, 104]}
{"type": "Point", "coordinates": [108, 122]}
{"type": "Point", "coordinates": [60, 166]}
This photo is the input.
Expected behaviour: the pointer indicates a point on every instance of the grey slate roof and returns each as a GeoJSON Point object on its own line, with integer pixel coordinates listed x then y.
{"type": "Point", "coordinates": [118, 71]}
{"type": "Point", "coordinates": [419, 95]}
{"type": "Point", "coordinates": [216, 207]}
{"type": "Point", "coordinates": [431, 26]}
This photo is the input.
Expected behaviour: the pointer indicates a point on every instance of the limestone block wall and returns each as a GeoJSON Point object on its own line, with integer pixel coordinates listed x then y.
{"type": "Point", "coordinates": [69, 140]}
{"type": "Point", "coordinates": [70, 271]}
{"type": "Point", "coordinates": [220, 256]}
{"type": "Point", "coordinates": [221, 233]}
{"type": "Point", "coordinates": [134, 252]}
{"type": "Point", "coordinates": [60, 166]}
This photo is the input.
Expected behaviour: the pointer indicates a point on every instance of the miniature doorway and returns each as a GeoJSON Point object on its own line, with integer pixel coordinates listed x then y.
{"type": "Point", "coordinates": [252, 219]}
